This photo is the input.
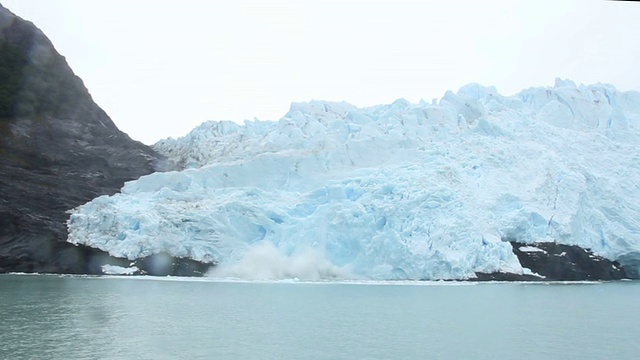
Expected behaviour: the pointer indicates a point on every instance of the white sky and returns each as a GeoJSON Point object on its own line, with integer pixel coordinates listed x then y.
{"type": "Point", "coordinates": [161, 67]}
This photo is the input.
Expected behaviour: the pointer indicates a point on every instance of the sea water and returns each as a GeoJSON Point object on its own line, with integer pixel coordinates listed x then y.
{"type": "Point", "coordinates": [65, 317]}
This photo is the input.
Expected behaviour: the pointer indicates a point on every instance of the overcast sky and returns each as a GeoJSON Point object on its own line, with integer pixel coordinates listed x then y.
{"type": "Point", "coordinates": [160, 67]}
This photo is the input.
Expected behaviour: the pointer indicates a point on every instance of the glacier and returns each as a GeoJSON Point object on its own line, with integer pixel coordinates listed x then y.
{"type": "Point", "coordinates": [401, 191]}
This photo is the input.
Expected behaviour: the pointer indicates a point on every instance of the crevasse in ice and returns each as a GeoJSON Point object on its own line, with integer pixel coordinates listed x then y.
{"type": "Point", "coordinates": [399, 191]}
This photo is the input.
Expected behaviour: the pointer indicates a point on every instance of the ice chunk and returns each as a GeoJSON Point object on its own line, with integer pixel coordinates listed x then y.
{"type": "Point", "coordinates": [119, 270]}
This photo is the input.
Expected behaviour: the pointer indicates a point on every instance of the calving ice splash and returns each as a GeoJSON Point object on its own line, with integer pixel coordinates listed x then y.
{"type": "Point", "coordinates": [400, 191]}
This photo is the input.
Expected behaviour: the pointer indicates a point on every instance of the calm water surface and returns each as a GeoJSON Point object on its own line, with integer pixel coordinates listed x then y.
{"type": "Point", "coordinates": [52, 317]}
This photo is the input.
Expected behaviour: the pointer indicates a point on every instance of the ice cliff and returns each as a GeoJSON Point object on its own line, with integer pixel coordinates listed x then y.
{"type": "Point", "coordinates": [400, 191]}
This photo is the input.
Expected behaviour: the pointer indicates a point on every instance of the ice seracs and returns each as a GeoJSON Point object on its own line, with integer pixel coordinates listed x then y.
{"type": "Point", "coordinates": [398, 191]}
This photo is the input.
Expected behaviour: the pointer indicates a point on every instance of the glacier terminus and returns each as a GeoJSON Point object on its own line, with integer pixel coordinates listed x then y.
{"type": "Point", "coordinates": [400, 191]}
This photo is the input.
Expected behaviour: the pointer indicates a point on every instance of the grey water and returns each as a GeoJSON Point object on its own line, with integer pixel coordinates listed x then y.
{"type": "Point", "coordinates": [64, 317]}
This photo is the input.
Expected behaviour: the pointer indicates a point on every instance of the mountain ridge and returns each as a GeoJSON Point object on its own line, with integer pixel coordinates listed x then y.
{"type": "Point", "coordinates": [58, 150]}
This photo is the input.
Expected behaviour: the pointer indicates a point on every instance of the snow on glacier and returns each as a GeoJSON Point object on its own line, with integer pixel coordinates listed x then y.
{"type": "Point", "coordinates": [398, 191]}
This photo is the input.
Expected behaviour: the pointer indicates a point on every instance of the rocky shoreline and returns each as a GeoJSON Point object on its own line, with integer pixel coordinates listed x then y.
{"type": "Point", "coordinates": [545, 261]}
{"type": "Point", "coordinates": [549, 261]}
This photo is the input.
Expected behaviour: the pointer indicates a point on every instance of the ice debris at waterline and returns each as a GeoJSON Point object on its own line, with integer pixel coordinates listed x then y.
{"type": "Point", "coordinates": [400, 191]}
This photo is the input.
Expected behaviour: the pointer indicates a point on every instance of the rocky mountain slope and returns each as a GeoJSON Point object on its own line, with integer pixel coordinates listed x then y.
{"type": "Point", "coordinates": [58, 150]}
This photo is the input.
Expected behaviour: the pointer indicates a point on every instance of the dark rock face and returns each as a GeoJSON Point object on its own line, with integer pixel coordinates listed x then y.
{"type": "Point", "coordinates": [557, 262]}
{"type": "Point", "coordinates": [58, 150]}
{"type": "Point", "coordinates": [567, 262]}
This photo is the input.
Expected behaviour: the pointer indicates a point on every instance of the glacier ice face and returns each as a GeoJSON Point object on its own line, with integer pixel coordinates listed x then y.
{"type": "Point", "coordinates": [400, 191]}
